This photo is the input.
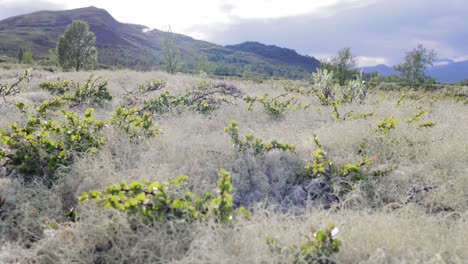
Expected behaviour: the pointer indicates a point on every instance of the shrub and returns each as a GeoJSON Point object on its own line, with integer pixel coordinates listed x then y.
{"type": "Point", "coordinates": [351, 115]}
{"type": "Point", "coordinates": [342, 178]}
{"type": "Point", "coordinates": [386, 125]}
{"type": "Point", "coordinates": [356, 89]}
{"type": "Point", "coordinates": [165, 202]}
{"type": "Point", "coordinates": [40, 146]}
{"type": "Point", "coordinates": [204, 97]}
{"type": "Point", "coordinates": [274, 107]}
{"type": "Point", "coordinates": [152, 85]}
{"type": "Point", "coordinates": [93, 90]}
{"type": "Point", "coordinates": [324, 86]}
{"type": "Point", "coordinates": [134, 122]}
{"type": "Point", "coordinates": [417, 117]}
{"type": "Point", "coordinates": [10, 89]}
{"type": "Point", "coordinates": [249, 143]}
{"type": "Point", "coordinates": [319, 247]}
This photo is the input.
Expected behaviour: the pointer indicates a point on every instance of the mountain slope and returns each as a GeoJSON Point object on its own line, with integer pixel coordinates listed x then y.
{"type": "Point", "coordinates": [128, 44]}
{"type": "Point", "coordinates": [279, 54]}
{"type": "Point", "coordinates": [450, 73]}
{"type": "Point", "coordinates": [381, 69]}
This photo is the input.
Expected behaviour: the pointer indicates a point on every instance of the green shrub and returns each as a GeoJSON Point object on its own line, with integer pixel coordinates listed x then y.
{"type": "Point", "coordinates": [351, 115]}
{"type": "Point", "coordinates": [204, 97]}
{"type": "Point", "coordinates": [356, 89]}
{"type": "Point", "coordinates": [152, 85]}
{"type": "Point", "coordinates": [91, 91]}
{"type": "Point", "coordinates": [320, 164]}
{"type": "Point", "coordinates": [37, 148]}
{"type": "Point", "coordinates": [417, 117]}
{"type": "Point", "coordinates": [340, 177]}
{"type": "Point", "coordinates": [319, 247]}
{"type": "Point", "coordinates": [10, 89]}
{"type": "Point", "coordinates": [135, 122]}
{"type": "Point", "coordinates": [58, 87]}
{"type": "Point", "coordinates": [324, 86]}
{"type": "Point", "coordinates": [249, 143]}
{"type": "Point", "coordinates": [274, 107]}
{"type": "Point", "coordinates": [386, 125]}
{"type": "Point", "coordinates": [165, 202]}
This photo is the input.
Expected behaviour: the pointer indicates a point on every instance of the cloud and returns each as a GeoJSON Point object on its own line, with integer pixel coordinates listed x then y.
{"type": "Point", "coordinates": [11, 8]}
{"type": "Point", "coordinates": [363, 61]}
{"type": "Point", "coordinates": [374, 29]}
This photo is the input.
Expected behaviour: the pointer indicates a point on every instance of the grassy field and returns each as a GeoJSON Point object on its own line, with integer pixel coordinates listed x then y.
{"type": "Point", "coordinates": [411, 206]}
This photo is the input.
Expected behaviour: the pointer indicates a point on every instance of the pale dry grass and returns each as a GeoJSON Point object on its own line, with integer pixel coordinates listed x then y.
{"type": "Point", "coordinates": [377, 223]}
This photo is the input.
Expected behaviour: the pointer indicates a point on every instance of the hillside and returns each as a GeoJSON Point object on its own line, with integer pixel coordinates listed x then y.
{"type": "Point", "coordinates": [452, 72]}
{"type": "Point", "coordinates": [381, 69]}
{"type": "Point", "coordinates": [282, 55]}
{"type": "Point", "coordinates": [130, 45]}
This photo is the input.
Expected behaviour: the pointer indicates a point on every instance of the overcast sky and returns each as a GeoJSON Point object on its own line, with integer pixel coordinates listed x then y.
{"type": "Point", "coordinates": [378, 31]}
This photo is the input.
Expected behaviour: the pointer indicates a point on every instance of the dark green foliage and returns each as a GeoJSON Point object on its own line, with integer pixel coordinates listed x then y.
{"type": "Point", "coordinates": [76, 47]}
{"type": "Point", "coordinates": [249, 143]}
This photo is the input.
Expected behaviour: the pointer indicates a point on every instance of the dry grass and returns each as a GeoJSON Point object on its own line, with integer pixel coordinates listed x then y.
{"type": "Point", "coordinates": [376, 224]}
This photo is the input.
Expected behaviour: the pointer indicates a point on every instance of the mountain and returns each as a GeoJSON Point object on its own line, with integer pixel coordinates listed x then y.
{"type": "Point", "coordinates": [282, 55]}
{"type": "Point", "coordinates": [450, 73]}
{"type": "Point", "coordinates": [447, 71]}
{"type": "Point", "coordinates": [130, 45]}
{"type": "Point", "coordinates": [381, 69]}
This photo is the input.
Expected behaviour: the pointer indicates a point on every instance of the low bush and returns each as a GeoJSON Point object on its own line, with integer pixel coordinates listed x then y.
{"type": "Point", "coordinates": [39, 147]}
{"type": "Point", "coordinates": [91, 91]}
{"type": "Point", "coordinates": [166, 202]}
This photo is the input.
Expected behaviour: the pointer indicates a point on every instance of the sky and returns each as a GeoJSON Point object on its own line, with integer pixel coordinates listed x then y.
{"type": "Point", "coordinates": [378, 31]}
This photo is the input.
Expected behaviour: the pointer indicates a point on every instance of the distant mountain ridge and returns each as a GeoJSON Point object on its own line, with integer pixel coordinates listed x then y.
{"type": "Point", "coordinates": [133, 45]}
{"type": "Point", "coordinates": [381, 69]}
{"type": "Point", "coordinates": [447, 72]}
{"type": "Point", "coordinates": [284, 55]}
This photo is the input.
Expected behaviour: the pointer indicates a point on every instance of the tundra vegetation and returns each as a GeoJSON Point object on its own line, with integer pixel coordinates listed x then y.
{"type": "Point", "coordinates": [152, 167]}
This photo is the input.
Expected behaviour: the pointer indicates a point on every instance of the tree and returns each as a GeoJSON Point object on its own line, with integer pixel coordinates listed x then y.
{"type": "Point", "coordinates": [344, 65]}
{"type": "Point", "coordinates": [202, 64]}
{"type": "Point", "coordinates": [25, 56]}
{"type": "Point", "coordinates": [53, 57]}
{"type": "Point", "coordinates": [76, 47]}
{"type": "Point", "coordinates": [170, 52]}
{"type": "Point", "coordinates": [413, 69]}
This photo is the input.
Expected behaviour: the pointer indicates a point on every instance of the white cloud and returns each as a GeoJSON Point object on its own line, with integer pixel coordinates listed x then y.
{"type": "Point", "coordinates": [363, 61]}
